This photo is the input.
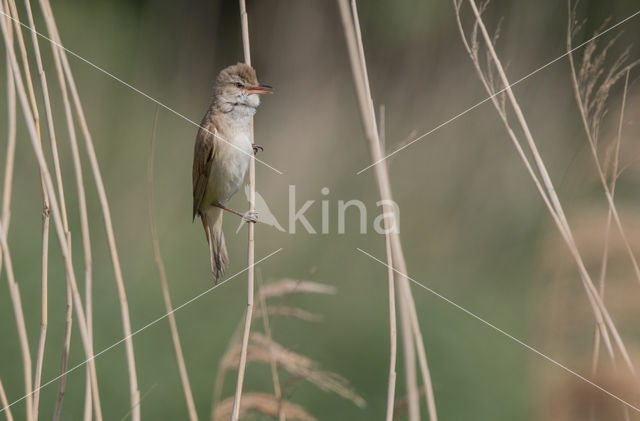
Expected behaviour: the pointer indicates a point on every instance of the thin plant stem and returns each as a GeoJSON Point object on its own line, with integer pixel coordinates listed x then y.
{"type": "Point", "coordinates": [11, 142]}
{"type": "Point", "coordinates": [66, 345]}
{"type": "Point", "coordinates": [393, 336]}
{"type": "Point", "coordinates": [277, 390]}
{"type": "Point", "coordinates": [55, 210]}
{"type": "Point", "coordinates": [45, 222]}
{"type": "Point", "coordinates": [244, 21]}
{"type": "Point", "coordinates": [600, 312]}
{"type": "Point", "coordinates": [104, 204]}
{"type": "Point", "coordinates": [173, 326]}
{"type": "Point", "coordinates": [86, 240]}
{"type": "Point", "coordinates": [16, 301]}
{"type": "Point", "coordinates": [5, 403]}
{"type": "Point", "coordinates": [605, 252]}
{"type": "Point", "coordinates": [594, 151]}
{"type": "Point", "coordinates": [412, 336]}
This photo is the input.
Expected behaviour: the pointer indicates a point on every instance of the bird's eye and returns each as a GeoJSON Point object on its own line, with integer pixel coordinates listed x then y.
{"type": "Point", "coordinates": [239, 85]}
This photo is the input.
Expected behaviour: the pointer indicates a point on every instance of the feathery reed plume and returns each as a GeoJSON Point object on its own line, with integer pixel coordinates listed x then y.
{"type": "Point", "coordinates": [412, 336]}
{"type": "Point", "coordinates": [175, 337]}
{"type": "Point", "coordinates": [592, 85]}
{"type": "Point", "coordinates": [244, 21]}
{"type": "Point", "coordinates": [264, 404]}
{"type": "Point", "coordinates": [542, 181]}
{"type": "Point", "coordinates": [263, 349]}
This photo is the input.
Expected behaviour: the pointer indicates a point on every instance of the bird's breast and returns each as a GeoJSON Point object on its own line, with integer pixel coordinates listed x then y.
{"type": "Point", "coordinates": [230, 164]}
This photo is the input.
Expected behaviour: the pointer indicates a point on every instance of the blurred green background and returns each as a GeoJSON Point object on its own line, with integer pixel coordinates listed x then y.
{"type": "Point", "coordinates": [473, 226]}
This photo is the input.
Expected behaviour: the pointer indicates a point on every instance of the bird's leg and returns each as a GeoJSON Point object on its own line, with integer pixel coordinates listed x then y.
{"type": "Point", "coordinates": [251, 216]}
{"type": "Point", "coordinates": [256, 148]}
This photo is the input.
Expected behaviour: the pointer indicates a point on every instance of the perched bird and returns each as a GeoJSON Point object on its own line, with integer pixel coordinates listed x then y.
{"type": "Point", "coordinates": [221, 154]}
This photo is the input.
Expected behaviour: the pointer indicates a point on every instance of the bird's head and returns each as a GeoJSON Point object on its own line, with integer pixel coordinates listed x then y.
{"type": "Point", "coordinates": [238, 85]}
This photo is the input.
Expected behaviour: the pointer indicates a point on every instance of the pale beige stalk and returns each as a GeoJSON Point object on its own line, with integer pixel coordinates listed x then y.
{"type": "Point", "coordinates": [244, 21]}
{"type": "Point", "coordinates": [173, 326]}
{"type": "Point", "coordinates": [594, 150]}
{"type": "Point", "coordinates": [412, 336]}
{"type": "Point", "coordinates": [124, 307]}
{"type": "Point", "coordinates": [45, 222]}
{"type": "Point", "coordinates": [277, 390]}
{"type": "Point", "coordinates": [5, 403]}
{"type": "Point", "coordinates": [607, 230]}
{"type": "Point", "coordinates": [548, 192]}
{"type": "Point", "coordinates": [33, 135]}
{"type": "Point", "coordinates": [16, 302]}
{"type": "Point", "coordinates": [11, 141]}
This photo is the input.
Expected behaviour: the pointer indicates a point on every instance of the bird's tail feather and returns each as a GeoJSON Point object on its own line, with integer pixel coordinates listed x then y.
{"type": "Point", "coordinates": [212, 222]}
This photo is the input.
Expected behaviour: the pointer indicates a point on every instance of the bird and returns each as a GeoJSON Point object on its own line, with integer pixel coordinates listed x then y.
{"type": "Point", "coordinates": [221, 154]}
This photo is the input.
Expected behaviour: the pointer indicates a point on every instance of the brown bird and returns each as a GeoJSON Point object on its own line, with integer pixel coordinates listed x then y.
{"type": "Point", "coordinates": [221, 154]}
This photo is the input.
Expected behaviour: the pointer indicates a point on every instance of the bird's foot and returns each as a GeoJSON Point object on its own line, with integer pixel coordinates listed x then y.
{"type": "Point", "coordinates": [256, 148]}
{"type": "Point", "coordinates": [251, 216]}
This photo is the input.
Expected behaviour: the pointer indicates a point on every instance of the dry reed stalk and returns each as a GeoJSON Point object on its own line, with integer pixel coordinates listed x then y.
{"type": "Point", "coordinates": [251, 240]}
{"type": "Point", "coordinates": [391, 387]}
{"type": "Point", "coordinates": [64, 363]}
{"type": "Point", "coordinates": [5, 403]}
{"type": "Point", "coordinates": [547, 192]}
{"type": "Point", "coordinates": [393, 336]}
{"type": "Point", "coordinates": [605, 251]}
{"type": "Point", "coordinates": [86, 244]}
{"type": "Point", "coordinates": [264, 404]}
{"type": "Point", "coordinates": [16, 302]}
{"type": "Point", "coordinates": [412, 336]}
{"type": "Point", "coordinates": [45, 222]}
{"type": "Point", "coordinates": [175, 337]}
{"type": "Point", "coordinates": [11, 141]}
{"type": "Point", "coordinates": [583, 99]}
{"type": "Point", "coordinates": [55, 210]}
{"type": "Point", "coordinates": [277, 390]}
{"type": "Point", "coordinates": [104, 204]}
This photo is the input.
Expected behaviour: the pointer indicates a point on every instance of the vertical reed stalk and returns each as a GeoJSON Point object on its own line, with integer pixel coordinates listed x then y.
{"type": "Point", "coordinates": [86, 243]}
{"type": "Point", "coordinates": [173, 326]}
{"type": "Point", "coordinates": [93, 161]}
{"type": "Point", "coordinates": [11, 141]}
{"type": "Point", "coordinates": [607, 231]}
{"type": "Point", "coordinates": [591, 137]}
{"type": "Point", "coordinates": [277, 390]}
{"type": "Point", "coordinates": [391, 387]}
{"type": "Point", "coordinates": [5, 403]}
{"type": "Point", "coordinates": [33, 135]}
{"type": "Point", "coordinates": [244, 21]}
{"type": "Point", "coordinates": [412, 336]}
{"type": "Point", "coordinates": [46, 210]}
{"type": "Point", "coordinates": [544, 186]}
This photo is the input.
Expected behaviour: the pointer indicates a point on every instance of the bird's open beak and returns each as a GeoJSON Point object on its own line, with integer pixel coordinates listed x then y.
{"type": "Point", "coordinates": [260, 90]}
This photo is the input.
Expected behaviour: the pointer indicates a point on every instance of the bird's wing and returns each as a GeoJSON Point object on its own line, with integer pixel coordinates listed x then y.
{"type": "Point", "coordinates": [203, 153]}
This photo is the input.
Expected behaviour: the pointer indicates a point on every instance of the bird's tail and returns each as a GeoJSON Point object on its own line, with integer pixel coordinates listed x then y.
{"type": "Point", "coordinates": [212, 223]}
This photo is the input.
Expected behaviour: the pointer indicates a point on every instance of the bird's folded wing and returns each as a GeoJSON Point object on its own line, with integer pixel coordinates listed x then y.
{"type": "Point", "coordinates": [203, 154]}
